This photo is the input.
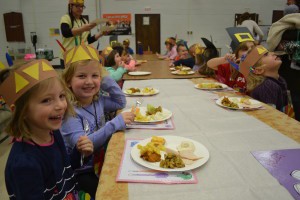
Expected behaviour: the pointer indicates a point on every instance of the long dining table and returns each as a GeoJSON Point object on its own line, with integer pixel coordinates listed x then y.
{"type": "Point", "coordinates": [159, 69]}
{"type": "Point", "coordinates": [229, 135]}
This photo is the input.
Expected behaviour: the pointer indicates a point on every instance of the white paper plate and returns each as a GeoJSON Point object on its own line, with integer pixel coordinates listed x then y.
{"type": "Point", "coordinates": [139, 73]}
{"type": "Point", "coordinates": [254, 103]}
{"type": "Point", "coordinates": [142, 93]}
{"type": "Point", "coordinates": [99, 21]}
{"type": "Point", "coordinates": [188, 73]}
{"type": "Point", "coordinates": [171, 142]}
{"type": "Point", "coordinates": [205, 86]}
{"type": "Point", "coordinates": [166, 114]}
{"type": "Point", "coordinates": [182, 69]}
{"type": "Point", "coordinates": [107, 28]}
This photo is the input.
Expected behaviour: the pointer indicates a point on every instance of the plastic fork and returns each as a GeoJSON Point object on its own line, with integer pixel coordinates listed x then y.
{"type": "Point", "coordinates": [86, 128]}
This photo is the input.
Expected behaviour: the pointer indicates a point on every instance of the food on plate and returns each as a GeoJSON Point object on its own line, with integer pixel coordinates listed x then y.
{"type": "Point", "coordinates": [171, 161]}
{"type": "Point", "coordinates": [245, 101]}
{"type": "Point", "coordinates": [182, 68]}
{"type": "Point", "coordinates": [151, 152]}
{"type": "Point", "coordinates": [151, 110]}
{"type": "Point", "coordinates": [186, 146]}
{"type": "Point", "coordinates": [151, 114]}
{"type": "Point", "coordinates": [226, 102]}
{"type": "Point", "coordinates": [182, 72]}
{"type": "Point", "coordinates": [148, 90]}
{"type": "Point", "coordinates": [187, 161]}
{"type": "Point", "coordinates": [187, 154]}
{"type": "Point", "coordinates": [168, 150]}
{"type": "Point", "coordinates": [209, 86]}
{"type": "Point", "coordinates": [158, 140]}
{"type": "Point", "coordinates": [133, 90]}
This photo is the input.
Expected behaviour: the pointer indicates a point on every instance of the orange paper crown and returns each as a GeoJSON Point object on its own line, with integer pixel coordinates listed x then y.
{"type": "Point", "coordinates": [25, 77]}
{"type": "Point", "coordinates": [81, 52]}
{"type": "Point", "coordinates": [253, 56]}
{"type": "Point", "coordinates": [76, 1]}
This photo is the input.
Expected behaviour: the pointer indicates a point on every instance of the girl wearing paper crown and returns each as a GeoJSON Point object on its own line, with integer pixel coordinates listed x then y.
{"type": "Point", "coordinates": [75, 29]}
{"type": "Point", "coordinates": [260, 68]}
{"type": "Point", "coordinates": [93, 93]}
{"type": "Point", "coordinates": [171, 50]}
{"type": "Point", "coordinates": [38, 166]}
{"type": "Point", "coordinates": [225, 67]}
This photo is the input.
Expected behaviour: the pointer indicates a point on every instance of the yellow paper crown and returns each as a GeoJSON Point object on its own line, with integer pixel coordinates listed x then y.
{"type": "Point", "coordinates": [251, 59]}
{"type": "Point", "coordinates": [25, 77]}
{"type": "Point", "coordinates": [76, 1]}
{"type": "Point", "coordinates": [126, 41]}
{"type": "Point", "coordinates": [199, 49]}
{"type": "Point", "coordinates": [81, 52]}
{"type": "Point", "coordinates": [168, 41]}
{"type": "Point", "coordinates": [107, 51]}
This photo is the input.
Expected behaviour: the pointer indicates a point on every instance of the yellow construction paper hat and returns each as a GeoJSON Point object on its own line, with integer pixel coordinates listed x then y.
{"type": "Point", "coordinates": [81, 52]}
{"type": "Point", "coordinates": [199, 49]}
{"type": "Point", "coordinates": [20, 80]}
{"type": "Point", "coordinates": [251, 59]}
{"type": "Point", "coordinates": [126, 41]}
{"type": "Point", "coordinates": [168, 41]}
{"type": "Point", "coordinates": [76, 1]}
{"type": "Point", "coordinates": [107, 50]}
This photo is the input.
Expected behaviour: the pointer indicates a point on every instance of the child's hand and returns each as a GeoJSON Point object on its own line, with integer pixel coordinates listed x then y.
{"type": "Point", "coordinates": [128, 117]}
{"type": "Point", "coordinates": [85, 145]}
{"type": "Point", "coordinates": [122, 64]}
{"type": "Point", "coordinates": [171, 64]}
{"type": "Point", "coordinates": [230, 57]}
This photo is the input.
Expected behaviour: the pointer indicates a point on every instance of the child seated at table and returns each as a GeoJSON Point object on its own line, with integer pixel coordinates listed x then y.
{"type": "Point", "coordinates": [93, 93]}
{"type": "Point", "coordinates": [171, 51]}
{"type": "Point", "coordinates": [115, 67]}
{"type": "Point", "coordinates": [226, 73]}
{"type": "Point", "coordinates": [203, 55]}
{"type": "Point", "coordinates": [128, 61]}
{"type": "Point", "coordinates": [182, 52]}
{"type": "Point", "coordinates": [264, 83]}
{"type": "Point", "coordinates": [189, 62]}
{"type": "Point", "coordinates": [126, 46]}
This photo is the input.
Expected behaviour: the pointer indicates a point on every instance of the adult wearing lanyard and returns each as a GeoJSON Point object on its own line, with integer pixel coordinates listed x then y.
{"type": "Point", "coordinates": [75, 29]}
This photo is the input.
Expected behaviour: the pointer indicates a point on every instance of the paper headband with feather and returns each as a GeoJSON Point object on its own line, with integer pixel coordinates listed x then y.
{"type": "Point", "coordinates": [20, 80]}
{"type": "Point", "coordinates": [81, 52]}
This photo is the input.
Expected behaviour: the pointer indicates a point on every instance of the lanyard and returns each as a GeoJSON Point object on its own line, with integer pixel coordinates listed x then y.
{"type": "Point", "coordinates": [93, 114]}
{"type": "Point", "coordinates": [80, 36]}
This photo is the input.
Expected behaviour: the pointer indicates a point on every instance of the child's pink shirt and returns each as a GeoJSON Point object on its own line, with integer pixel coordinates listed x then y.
{"type": "Point", "coordinates": [130, 66]}
{"type": "Point", "coordinates": [173, 53]}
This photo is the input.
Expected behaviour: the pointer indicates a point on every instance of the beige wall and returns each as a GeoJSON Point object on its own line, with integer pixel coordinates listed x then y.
{"type": "Point", "coordinates": [204, 17]}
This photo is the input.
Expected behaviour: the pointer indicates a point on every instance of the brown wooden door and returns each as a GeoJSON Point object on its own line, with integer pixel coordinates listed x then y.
{"type": "Point", "coordinates": [14, 27]}
{"type": "Point", "coordinates": [147, 30]}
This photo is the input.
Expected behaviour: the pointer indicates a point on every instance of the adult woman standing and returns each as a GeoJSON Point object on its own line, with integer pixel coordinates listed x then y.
{"type": "Point", "coordinates": [245, 21]}
{"type": "Point", "coordinates": [75, 29]}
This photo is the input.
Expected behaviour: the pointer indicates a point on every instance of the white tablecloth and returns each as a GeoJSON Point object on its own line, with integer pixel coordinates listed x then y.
{"type": "Point", "coordinates": [231, 172]}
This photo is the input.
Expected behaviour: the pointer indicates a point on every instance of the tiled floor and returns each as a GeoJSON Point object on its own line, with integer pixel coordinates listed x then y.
{"type": "Point", "coordinates": [4, 151]}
